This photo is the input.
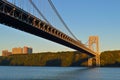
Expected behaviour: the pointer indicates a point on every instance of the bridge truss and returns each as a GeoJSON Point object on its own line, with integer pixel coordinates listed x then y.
{"type": "Point", "coordinates": [13, 16]}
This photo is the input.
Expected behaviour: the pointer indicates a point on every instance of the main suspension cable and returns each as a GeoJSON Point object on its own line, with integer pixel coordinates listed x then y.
{"type": "Point", "coordinates": [39, 11]}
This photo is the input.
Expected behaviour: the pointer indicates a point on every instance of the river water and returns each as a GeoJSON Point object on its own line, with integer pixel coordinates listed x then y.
{"type": "Point", "coordinates": [58, 73]}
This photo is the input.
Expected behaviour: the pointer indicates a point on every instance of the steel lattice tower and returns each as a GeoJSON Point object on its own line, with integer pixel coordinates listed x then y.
{"type": "Point", "coordinates": [94, 45]}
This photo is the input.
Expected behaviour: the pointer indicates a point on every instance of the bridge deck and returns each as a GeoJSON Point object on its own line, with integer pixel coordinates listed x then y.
{"type": "Point", "coordinates": [15, 17]}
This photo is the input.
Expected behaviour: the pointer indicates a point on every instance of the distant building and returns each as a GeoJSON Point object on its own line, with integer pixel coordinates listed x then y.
{"type": "Point", "coordinates": [30, 50]}
{"type": "Point", "coordinates": [17, 50]}
{"type": "Point", "coordinates": [6, 53]}
{"type": "Point", "coordinates": [27, 50]}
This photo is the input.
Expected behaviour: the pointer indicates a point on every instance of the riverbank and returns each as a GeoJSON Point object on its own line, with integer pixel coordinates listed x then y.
{"type": "Point", "coordinates": [60, 59]}
{"type": "Point", "coordinates": [63, 59]}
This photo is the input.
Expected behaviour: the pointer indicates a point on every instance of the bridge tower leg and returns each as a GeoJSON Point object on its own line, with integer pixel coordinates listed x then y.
{"type": "Point", "coordinates": [94, 45]}
{"type": "Point", "coordinates": [90, 62]}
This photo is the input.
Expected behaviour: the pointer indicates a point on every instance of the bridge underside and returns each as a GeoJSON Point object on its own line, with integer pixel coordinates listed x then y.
{"type": "Point", "coordinates": [15, 22]}
{"type": "Point", "coordinates": [12, 22]}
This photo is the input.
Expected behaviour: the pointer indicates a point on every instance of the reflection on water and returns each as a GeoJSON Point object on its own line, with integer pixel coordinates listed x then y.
{"type": "Point", "coordinates": [58, 73]}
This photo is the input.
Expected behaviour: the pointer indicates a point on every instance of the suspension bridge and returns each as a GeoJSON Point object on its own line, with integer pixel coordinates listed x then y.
{"type": "Point", "coordinates": [29, 16]}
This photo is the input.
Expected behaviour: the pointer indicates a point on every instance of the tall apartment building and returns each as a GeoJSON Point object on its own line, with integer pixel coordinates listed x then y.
{"type": "Point", "coordinates": [6, 53]}
{"type": "Point", "coordinates": [27, 50]}
{"type": "Point", "coordinates": [17, 50]}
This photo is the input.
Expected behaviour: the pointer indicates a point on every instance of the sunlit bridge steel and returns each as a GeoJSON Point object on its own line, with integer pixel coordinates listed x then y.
{"type": "Point", "coordinates": [13, 16]}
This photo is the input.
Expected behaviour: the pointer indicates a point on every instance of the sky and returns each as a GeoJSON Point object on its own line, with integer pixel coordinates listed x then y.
{"type": "Point", "coordinates": [84, 18]}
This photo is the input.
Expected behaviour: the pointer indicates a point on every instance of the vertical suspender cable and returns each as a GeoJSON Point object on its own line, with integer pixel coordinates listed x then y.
{"type": "Point", "coordinates": [52, 5]}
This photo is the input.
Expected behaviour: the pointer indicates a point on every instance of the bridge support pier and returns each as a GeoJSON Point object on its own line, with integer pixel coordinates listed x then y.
{"type": "Point", "coordinates": [97, 61]}
{"type": "Point", "coordinates": [97, 57]}
{"type": "Point", "coordinates": [90, 63]}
